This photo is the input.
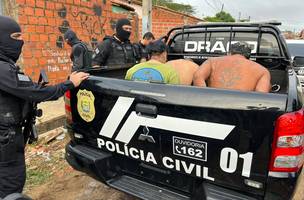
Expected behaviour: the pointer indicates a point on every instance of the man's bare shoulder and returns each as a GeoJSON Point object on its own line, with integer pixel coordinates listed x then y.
{"type": "Point", "coordinates": [258, 66]}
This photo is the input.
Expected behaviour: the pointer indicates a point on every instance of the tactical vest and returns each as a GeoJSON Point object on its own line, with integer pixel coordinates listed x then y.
{"type": "Point", "coordinates": [122, 55]}
{"type": "Point", "coordinates": [11, 108]}
{"type": "Point", "coordinates": [86, 56]}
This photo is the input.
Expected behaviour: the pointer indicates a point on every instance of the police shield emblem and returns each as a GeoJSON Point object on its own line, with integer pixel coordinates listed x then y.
{"type": "Point", "coordinates": [85, 105]}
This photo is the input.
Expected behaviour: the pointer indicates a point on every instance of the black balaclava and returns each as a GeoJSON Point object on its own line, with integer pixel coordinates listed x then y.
{"type": "Point", "coordinates": [9, 47]}
{"type": "Point", "coordinates": [120, 33]}
{"type": "Point", "coordinates": [71, 37]}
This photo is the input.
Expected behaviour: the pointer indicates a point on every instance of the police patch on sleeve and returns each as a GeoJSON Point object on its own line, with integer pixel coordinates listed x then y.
{"type": "Point", "coordinates": [22, 77]}
{"type": "Point", "coordinates": [85, 105]}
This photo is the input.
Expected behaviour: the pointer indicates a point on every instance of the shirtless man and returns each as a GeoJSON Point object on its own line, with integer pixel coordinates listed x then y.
{"type": "Point", "coordinates": [234, 71]}
{"type": "Point", "coordinates": [185, 70]}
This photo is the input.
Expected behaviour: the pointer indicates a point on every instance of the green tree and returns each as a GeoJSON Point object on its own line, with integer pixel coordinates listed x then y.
{"type": "Point", "coordinates": [220, 17]}
{"type": "Point", "coordinates": [184, 8]}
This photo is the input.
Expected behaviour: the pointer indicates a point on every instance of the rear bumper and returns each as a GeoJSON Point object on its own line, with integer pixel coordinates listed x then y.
{"type": "Point", "coordinates": [88, 160]}
{"type": "Point", "coordinates": [99, 165]}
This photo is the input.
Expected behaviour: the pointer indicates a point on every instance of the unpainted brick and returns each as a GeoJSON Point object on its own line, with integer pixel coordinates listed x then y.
{"type": "Point", "coordinates": [51, 21]}
{"type": "Point", "coordinates": [30, 3]}
{"type": "Point", "coordinates": [37, 53]}
{"type": "Point", "coordinates": [40, 3]}
{"type": "Point", "coordinates": [27, 54]}
{"type": "Point", "coordinates": [39, 12]}
{"type": "Point", "coordinates": [58, 6]}
{"type": "Point", "coordinates": [50, 5]}
{"type": "Point", "coordinates": [53, 37]}
{"type": "Point", "coordinates": [23, 19]}
{"type": "Point", "coordinates": [30, 28]}
{"type": "Point", "coordinates": [26, 36]}
{"type": "Point", "coordinates": [69, 1]}
{"type": "Point", "coordinates": [40, 29]}
{"type": "Point", "coordinates": [42, 21]}
{"type": "Point", "coordinates": [49, 13]}
{"type": "Point", "coordinates": [34, 37]}
{"type": "Point", "coordinates": [21, 2]}
{"type": "Point", "coordinates": [29, 11]}
{"type": "Point", "coordinates": [50, 29]}
{"type": "Point", "coordinates": [44, 38]}
{"type": "Point", "coordinates": [33, 20]}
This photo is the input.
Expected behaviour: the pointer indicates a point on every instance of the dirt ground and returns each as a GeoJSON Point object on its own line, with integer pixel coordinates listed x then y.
{"type": "Point", "coordinates": [49, 177]}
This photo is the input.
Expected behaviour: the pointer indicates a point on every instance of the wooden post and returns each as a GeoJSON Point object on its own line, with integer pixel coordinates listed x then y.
{"type": "Point", "coordinates": [1, 7]}
{"type": "Point", "coordinates": [146, 16]}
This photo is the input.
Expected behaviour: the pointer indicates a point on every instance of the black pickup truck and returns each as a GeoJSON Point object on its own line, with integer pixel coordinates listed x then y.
{"type": "Point", "coordinates": [161, 141]}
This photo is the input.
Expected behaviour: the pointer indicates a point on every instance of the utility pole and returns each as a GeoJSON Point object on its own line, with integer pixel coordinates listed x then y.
{"type": "Point", "coordinates": [222, 8]}
{"type": "Point", "coordinates": [240, 16]}
{"type": "Point", "coordinates": [1, 8]}
{"type": "Point", "coordinates": [146, 16]}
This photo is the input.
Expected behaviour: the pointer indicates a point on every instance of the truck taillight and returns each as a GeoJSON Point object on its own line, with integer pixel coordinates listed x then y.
{"type": "Point", "coordinates": [288, 144]}
{"type": "Point", "coordinates": [68, 112]}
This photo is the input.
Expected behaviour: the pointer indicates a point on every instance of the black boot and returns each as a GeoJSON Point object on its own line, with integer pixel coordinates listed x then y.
{"type": "Point", "coordinates": [17, 196]}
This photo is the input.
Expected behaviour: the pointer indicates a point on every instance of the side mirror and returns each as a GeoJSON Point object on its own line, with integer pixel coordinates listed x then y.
{"type": "Point", "coordinates": [298, 61]}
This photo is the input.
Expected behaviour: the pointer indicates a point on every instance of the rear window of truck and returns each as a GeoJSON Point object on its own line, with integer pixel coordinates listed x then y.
{"type": "Point", "coordinates": [217, 43]}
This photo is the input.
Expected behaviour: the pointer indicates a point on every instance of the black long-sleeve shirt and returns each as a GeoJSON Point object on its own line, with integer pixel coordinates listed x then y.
{"type": "Point", "coordinates": [21, 86]}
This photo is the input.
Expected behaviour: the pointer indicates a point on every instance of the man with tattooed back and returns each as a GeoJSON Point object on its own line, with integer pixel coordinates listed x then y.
{"type": "Point", "coordinates": [234, 71]}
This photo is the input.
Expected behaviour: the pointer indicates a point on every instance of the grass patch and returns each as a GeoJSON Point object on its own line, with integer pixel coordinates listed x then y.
{"type": "Point", "coordinates": [36, 177]}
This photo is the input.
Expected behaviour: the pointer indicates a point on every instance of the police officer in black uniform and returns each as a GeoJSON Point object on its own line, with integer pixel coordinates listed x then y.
{"type": "Point", "coordinates": [16, 90]}
{"type": "Point", "coordinates": [142, 45]}
{"type": "Point", "coordinates": [81, 55]}
{"type": "Point", "coordinates": [116, 51]}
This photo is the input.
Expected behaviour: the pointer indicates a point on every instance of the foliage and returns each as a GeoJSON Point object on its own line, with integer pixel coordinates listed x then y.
{"type": "Point", "coordinates": [184, 8]}
{"type": "Point", "coordinates": [36, 177]}
{"type": "Point", "coordinates": [220, 17]}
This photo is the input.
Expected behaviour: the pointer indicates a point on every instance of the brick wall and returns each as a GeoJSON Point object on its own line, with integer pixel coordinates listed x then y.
{"type": "Point", "coordinates": [44, 22]}
{"type": "Point", "coordinates": [164, 19]}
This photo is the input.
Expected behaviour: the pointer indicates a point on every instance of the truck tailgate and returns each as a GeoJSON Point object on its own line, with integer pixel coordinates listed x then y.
{"type": "Point", "coordinates": [177, 135]}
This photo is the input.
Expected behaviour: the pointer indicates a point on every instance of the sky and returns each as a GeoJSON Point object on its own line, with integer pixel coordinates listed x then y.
{"type": "Point", "coordinates": [289, 12]}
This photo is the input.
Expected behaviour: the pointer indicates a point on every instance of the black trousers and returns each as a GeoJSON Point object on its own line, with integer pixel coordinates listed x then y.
{"type": "Point", "coordinates": [12, 161]}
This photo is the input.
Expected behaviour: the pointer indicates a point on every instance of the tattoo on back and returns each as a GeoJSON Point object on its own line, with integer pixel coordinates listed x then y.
{"type": "Point", "coordinates": [229, 77]}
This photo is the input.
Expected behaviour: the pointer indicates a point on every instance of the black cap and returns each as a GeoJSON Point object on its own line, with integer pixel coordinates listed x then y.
{"type": "Point", "coordinates": [157, 46]}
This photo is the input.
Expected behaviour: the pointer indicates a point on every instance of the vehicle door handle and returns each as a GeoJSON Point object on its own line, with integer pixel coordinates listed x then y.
{"type": "Point", "coordinates": [146, 109]}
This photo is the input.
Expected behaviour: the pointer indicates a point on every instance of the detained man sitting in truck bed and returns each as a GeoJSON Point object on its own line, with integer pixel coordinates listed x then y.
{"type": "Point", "coordinates": [154, 70]}
{"type": "Point", "coordinates": [234, 71]}
{"type": "Point", "coordinates": [185, 69]}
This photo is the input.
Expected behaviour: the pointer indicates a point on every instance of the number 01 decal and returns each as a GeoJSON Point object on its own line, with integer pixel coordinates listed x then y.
{"type": "Point", "coordinates": [229, 161]}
